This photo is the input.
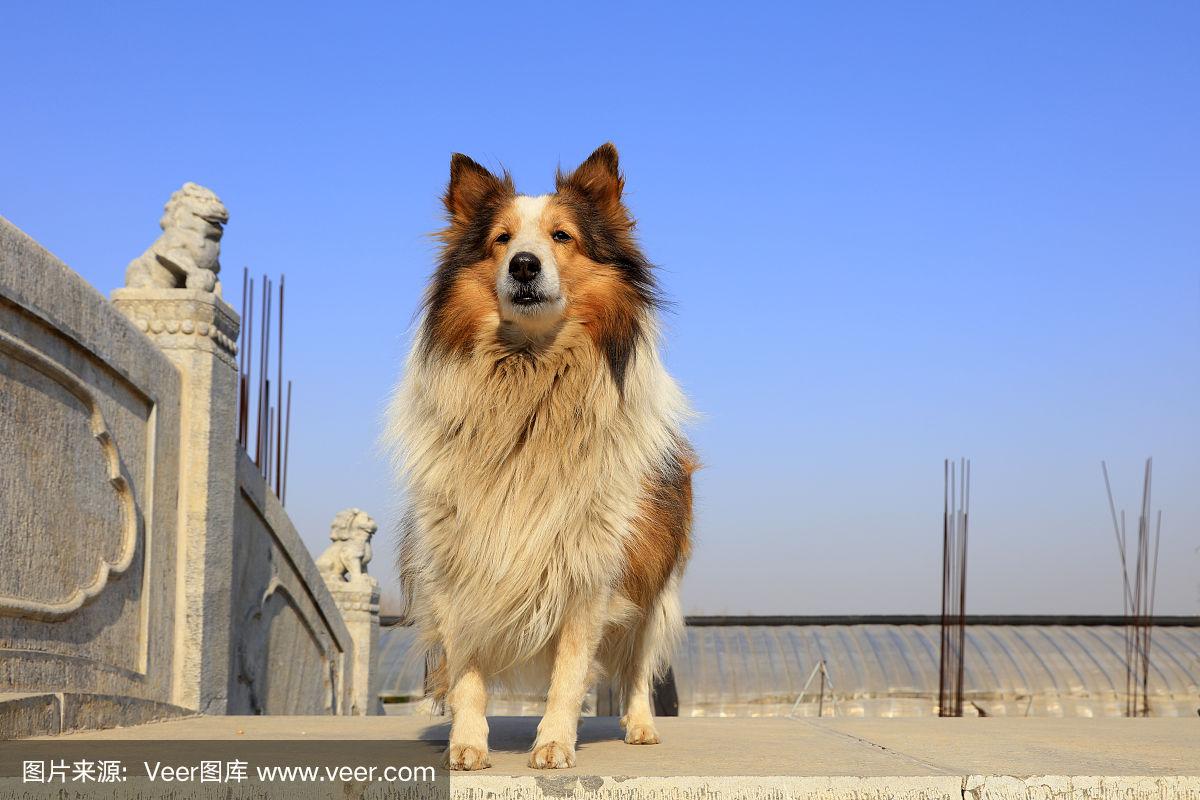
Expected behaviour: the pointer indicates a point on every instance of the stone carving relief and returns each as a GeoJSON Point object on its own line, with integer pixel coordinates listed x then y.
{"type": "Point", "coordinates": [281, 658]}
{"type": "Point", "coordinates": [347, 558]}
{"type": "Point", "coordinates": [70, 453]}
{"type": "Point", "coordinates": [181, 324]}
{"type": "Point", "coordinates": [186, 255]}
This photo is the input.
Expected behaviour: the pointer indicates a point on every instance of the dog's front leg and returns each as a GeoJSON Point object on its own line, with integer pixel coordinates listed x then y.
{"type": "Point", "coordinates": [575, 651]}
{"type": "Point", "coordinates": [467, 698]}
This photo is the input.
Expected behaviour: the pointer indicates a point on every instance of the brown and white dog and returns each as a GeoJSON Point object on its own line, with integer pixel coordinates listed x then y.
{"type": "Point", "coordinates": [538, 438]}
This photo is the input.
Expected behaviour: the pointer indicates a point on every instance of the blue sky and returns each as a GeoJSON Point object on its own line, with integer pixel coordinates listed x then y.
{"type": "Point", "coordinates": [892, 233]}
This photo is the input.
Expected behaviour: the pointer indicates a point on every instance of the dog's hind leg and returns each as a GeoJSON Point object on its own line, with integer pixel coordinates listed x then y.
{"type": "Point", "coordinates": [654, 639]}
{"type": "Point", "coordinates": [574, 656]}
{"type": "Point", "coordinates": [638, 720]}
{"type": "Point", "coordinates": [467, 698]}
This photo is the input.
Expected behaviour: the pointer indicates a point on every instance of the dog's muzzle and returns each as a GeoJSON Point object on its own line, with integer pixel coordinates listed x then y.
{"type": "Point", "coordinates": [524, 272]}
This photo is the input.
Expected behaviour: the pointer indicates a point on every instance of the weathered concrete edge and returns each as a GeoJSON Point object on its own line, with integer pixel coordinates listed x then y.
{"type": "Point", "coordinates": [1086, 787]}
{"type": "Point", "coordinates": [32, 714]}
{"type": "Point", "coordinates": [753, 787]}
{"type": "Point", "coordinates": [53, 713]}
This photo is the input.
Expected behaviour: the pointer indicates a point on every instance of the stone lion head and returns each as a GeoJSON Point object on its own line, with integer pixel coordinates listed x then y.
{"type": "Point", "coordinates": [352, 524]}
{"type": "Point", "coordinates": [193, 201]}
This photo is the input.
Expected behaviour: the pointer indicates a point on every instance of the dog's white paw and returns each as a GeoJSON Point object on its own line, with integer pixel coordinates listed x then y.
{"type": "Point", "coordinates": [639, 729]}
{"type": "Point", "coordinates": [641, 733]}
{"type": "Point", "coordinates": [466, 757]}
{"type": "Point", "coordinates": [552, 755]}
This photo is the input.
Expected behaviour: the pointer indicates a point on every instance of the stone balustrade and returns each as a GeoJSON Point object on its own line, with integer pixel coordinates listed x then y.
{"type": "Point", "coordinates": [149, 570]}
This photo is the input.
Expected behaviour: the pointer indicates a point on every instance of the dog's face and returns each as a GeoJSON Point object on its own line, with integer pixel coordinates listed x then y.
{"type": "Point", "coordinates": [530, 263]}
{"type": "Point", "coordinates": [532, 249]}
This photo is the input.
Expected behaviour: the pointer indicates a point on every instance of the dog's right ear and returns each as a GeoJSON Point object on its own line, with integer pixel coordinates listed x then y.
{"type": "Point", "coordinates": [471, 186]}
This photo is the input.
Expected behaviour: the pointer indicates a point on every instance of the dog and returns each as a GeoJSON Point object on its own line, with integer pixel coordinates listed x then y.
{"type": "Point", "coordinates": [539, 442]}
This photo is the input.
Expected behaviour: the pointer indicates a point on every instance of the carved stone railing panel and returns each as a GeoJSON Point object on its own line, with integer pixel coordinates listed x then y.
{"type": "Point", "coordinates": [291, 648]}
{"type": "Point", "coordinates": [47, 419]}
{"type": "Point", "coordinates": [89, 427]}
{"type": "Point", "coordinates": [148, 569]}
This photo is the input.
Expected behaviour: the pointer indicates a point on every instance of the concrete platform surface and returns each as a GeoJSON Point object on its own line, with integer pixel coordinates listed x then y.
{"type": "Point", "coordinates": [779, 757]}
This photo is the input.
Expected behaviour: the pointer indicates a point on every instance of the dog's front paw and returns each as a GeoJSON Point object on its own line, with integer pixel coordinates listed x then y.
{"type": "Point", "coordinates": [639, 729]}
{"type": "Point", "coordinates": [641, 733]}
{"type": "Point", "coordinates": [552, 755]}
{"type": "Point", "coordinates": [466, 757]}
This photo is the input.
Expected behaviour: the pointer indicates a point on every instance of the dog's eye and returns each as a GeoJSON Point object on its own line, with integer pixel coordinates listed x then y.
{"type": "Point", "coordinates": [503, 238]}
{"type": "Point", "coordinates": [561, 236]}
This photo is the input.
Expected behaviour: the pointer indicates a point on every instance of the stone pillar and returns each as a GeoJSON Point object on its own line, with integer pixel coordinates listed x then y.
{"type": "Point", "coordinates": [198, 332]}
{"type": "Point", "coordinates": [359, 604]}
{"type": "Point", "coordinates": [343, 565]}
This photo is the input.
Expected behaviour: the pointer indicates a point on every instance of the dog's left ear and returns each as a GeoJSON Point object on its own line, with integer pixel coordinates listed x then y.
{"type": "Point", "coordinates": [598, 178]}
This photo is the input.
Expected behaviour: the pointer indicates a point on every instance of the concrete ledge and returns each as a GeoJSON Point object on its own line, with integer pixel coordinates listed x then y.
{"type": "Point", "coordinates": [50, 714]}
{"type": "Point", "coordinates": [25, 715]}
{"type": "Point", "coordinates": [748, 759]}
{"type": "Point", "coordinates": [90, 712]}
{"type": "Point", "coordinates": [756, 787]}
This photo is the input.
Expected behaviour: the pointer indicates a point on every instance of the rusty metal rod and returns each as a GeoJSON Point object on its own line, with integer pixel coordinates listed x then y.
{"type": "Point", "coordinates": [249, 369]}
{"type": "Point", "coordinates": [242, 350]}
{"type": "Point", "coordinates": [270, 436]}
{"type": "Point", "coordinates": [279, 392]}
{"type": "Point", "coordinates": [264, 363]}
{"type": "Point", "coordinates": [287, 441]}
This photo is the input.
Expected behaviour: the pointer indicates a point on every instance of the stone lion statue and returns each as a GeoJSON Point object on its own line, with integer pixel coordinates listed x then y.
{"type": "Point", "coordinates": [185, 256]}
{"type": "Point", "coordinates": [347, 558]}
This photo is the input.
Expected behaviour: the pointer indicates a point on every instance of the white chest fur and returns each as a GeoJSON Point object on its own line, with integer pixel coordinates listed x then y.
{"type": "Point", "coordinates": [522, 475]}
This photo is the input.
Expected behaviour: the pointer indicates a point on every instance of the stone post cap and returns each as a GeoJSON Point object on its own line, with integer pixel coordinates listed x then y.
{"type": "Point", "coordinates": [178, 319]}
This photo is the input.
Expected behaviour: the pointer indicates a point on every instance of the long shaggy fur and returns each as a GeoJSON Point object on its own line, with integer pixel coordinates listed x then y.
{"type": "Point", "coordinates": [545, 475]}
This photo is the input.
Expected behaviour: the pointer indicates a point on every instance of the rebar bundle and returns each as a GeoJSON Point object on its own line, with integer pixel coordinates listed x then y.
{"type": "Point", "coordinates": [272, 423]}
{"type": "Point", "coordinates": [1138, 594]}
{"type": "Point", "coordinates": [956, 503]}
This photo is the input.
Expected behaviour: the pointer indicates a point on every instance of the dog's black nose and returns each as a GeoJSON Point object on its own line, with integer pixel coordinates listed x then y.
{"type": "Point", "coordinates": [524, 267]}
